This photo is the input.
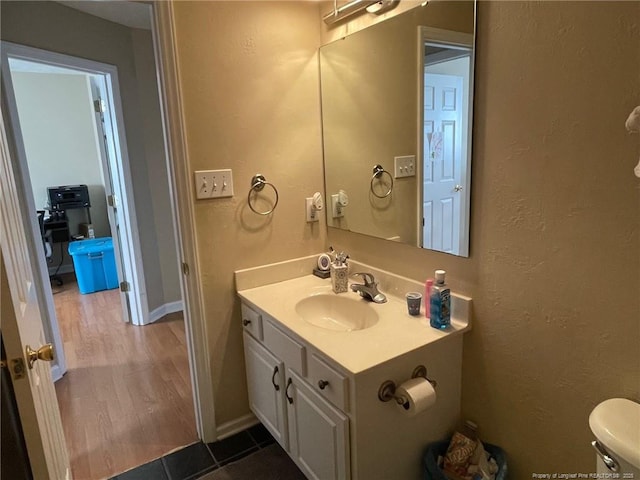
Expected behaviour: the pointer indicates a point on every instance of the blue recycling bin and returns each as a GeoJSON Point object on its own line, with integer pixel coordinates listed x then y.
{"type": "Point", "coordinates": [95, 264]}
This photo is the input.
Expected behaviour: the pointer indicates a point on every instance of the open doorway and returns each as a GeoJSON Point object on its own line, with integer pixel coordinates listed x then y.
{"type": "Point", "coordinates": [125, 384]}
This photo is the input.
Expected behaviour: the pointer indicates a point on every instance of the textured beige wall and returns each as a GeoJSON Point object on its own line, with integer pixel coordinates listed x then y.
{"type": "Point", "coordinates": [54, 27]}
{"type": "Point", "coordinates": [249, 73]}
{"type": "Point", "coordinates": [554, 270]}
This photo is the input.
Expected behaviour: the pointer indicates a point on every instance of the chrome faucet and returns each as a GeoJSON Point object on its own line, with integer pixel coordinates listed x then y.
{"type": "Point", "coordinates": [369, 289]}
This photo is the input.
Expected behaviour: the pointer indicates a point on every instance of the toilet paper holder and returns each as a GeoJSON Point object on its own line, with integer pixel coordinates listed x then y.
{"type": "Point", "coordinates": [387, 390]}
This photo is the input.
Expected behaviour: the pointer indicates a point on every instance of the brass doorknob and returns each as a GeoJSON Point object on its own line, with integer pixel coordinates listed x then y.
{"type": "Point", "coordinates": [45, 353]}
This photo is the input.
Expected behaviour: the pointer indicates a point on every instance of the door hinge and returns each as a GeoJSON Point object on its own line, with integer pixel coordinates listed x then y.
{"type": "Point", "coordinates": [423, 221]}
{"type": "Point", "coordinates": [111, 200]}
{"type": "Point", "coordinates": [16, 366]}
{"type": "Point", "coordinates": [125, 287]}
{"type": "Point", "coordinates": [99, 106]}
{"type": "Point", "coordinates": [185, 268]}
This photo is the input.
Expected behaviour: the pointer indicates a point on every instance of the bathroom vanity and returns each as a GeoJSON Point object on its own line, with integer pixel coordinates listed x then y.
{"type": "Point", "coordinates": [316, 360]}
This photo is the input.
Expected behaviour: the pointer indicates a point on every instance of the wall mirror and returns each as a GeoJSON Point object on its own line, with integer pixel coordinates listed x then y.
{"type": "Point", "coordinates": [397, 103]}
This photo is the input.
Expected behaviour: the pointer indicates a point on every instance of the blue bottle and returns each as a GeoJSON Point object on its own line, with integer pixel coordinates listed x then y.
{"type": "Point", "coordinates": [440, 303]}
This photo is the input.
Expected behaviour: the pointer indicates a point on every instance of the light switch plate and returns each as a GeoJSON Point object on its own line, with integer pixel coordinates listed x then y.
{"type": "Point", "coordinates": [404, 166]}
{"type": "Point", "coordinates": [213, 183]}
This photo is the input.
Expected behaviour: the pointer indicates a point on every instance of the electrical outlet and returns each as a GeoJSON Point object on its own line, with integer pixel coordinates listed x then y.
{"type": "Point", "coordinates": [404, 166]}
{"type": "Point", "coordinates": [213, 183]}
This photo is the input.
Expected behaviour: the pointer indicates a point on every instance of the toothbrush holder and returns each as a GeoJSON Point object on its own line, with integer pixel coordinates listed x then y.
{"type": "Point", "coordinates": [339, 278]}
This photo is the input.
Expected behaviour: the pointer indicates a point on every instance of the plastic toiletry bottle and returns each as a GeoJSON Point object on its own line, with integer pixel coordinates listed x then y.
{"type": "Point", "coordinates": [440, 303]}
{"type": "Point", "coordinates": [427, 296]}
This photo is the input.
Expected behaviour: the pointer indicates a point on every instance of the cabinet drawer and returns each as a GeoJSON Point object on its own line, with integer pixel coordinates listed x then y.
{"type": "Point", "coordinates": [328, 382]}
{"type": "Point", "coordinates": [252, 321]}
{"type": "Point", "coordinates": [284, 347]}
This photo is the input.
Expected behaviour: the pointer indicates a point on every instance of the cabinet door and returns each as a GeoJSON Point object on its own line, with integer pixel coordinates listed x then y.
{"type": "Point", "coordinates": [265, 381]}
{"type": "Point", "coordinates": [318, 433]}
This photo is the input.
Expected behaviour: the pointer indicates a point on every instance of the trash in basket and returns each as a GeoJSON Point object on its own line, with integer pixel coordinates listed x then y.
{"type": "Point", "coordinates": [433, 471]}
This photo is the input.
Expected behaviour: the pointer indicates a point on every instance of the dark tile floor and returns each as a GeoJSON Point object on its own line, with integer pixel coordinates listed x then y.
{"type": "Point", "coordinates": [195, 460]}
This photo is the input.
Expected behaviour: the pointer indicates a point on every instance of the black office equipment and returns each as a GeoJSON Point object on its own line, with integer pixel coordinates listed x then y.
{"type": "Point", "coordinates": [67, 197]}
{"type": "Point", "coordinates": [55, 229]}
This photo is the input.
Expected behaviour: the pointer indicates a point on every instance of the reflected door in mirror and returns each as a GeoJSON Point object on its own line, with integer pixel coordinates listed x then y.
{"type": "Point", "coordinates": [446, 99]}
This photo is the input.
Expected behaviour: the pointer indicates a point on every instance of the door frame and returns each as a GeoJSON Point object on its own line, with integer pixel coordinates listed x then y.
{"type": "Point", "coordinates": [182, 215]}
{"type": "Point", "coordinates": [106, 131]}
{"type": "Point", "coordinates": [22, 322]}
{"type": "Point", "coordinates": [183, 209]}
{"type": "Point", "coordinates": [128, 247]}
{"type": "Point", "coordinates": [32, 229]}
{"type": "Point", "coordinates": [453, 39]}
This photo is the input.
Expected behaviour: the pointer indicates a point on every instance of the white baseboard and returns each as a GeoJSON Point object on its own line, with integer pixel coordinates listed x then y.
{"type": "Point", "coordinates": [236, 426]}
{"type": "Point", "coordinates": [165, 309]}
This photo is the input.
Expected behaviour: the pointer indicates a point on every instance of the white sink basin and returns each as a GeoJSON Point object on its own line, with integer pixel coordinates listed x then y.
{"type": "Point", "coordinates": [337, 312]}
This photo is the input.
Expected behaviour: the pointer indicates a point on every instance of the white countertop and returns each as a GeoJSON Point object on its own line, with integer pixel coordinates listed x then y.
{"type": "Point", "coordinates": [395, 333]}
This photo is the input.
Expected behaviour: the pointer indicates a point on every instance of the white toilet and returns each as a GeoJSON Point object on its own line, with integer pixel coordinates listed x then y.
{"type": "Point", "coordinates": [616, 425]}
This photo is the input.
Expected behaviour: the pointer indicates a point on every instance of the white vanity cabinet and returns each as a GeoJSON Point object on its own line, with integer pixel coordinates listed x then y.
{"type": "Point", "coordinates": [318, 390]}
{"type": "Point", "coordinates": [318, 433]}
{"type": "Point", "coordinates": [308, 427]}
{"type": "Point", "coordinates": [265, 381]}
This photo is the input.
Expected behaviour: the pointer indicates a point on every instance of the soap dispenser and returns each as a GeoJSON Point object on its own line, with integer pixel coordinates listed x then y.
{"type": "Point", "coordinates": [339, 273]}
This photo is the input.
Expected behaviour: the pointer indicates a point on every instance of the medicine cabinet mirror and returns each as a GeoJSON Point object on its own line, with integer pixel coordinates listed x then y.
{"type": "Point", "coordinates": [396, 114]}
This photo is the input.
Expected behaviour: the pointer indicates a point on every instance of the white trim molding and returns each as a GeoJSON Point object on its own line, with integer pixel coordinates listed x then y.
{"type": "Point", "coordinates": [108, 74]}
{"type": "Point", "coordinates": [182, 203]}
{"type": "Point", "coordinates": [236, 426]}
{"type": "Point", "coordinates": [171, 307]}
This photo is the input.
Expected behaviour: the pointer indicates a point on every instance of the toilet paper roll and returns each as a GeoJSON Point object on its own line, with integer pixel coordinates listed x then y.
{"type": "Point", "coordinates": [418, 395]}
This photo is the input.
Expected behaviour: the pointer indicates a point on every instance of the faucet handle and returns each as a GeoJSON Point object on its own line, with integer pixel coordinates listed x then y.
{"type": "Point", "coordinates": [368, 278]}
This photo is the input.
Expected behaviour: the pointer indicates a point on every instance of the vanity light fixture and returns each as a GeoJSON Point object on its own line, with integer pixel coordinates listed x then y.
{"type": "Point", "coordinates": [382, 6]}
{"type": "Point", "coordinates": [357, 6]}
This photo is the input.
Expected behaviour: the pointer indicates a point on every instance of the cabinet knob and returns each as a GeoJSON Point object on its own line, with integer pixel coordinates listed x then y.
{"type": "Point", "coordinates": [322, 384]}
{"type": "Point", "coordinates": [245, 322]}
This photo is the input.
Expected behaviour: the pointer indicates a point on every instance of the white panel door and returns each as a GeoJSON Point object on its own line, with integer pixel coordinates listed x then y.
{"type": "Point", "coordinates": [318, 433]}
{"type": "Point", "coordinates": [265, 381]}
{"type": "Point", "coordinates": [112, 191]}
{"type": "Point", "coordinates": [26, 200]}
{"type": "Point", "coordinates": [22, 327]}
{"type": "Point", "coordinates": [443, 157]}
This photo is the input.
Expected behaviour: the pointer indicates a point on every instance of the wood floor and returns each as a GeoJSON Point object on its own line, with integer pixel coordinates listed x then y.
{"type": "Point", "coordinates": [126, 398]}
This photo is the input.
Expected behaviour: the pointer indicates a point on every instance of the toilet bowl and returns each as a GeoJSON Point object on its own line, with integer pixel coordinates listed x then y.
{"type": "Point", "coordinates": [616, 426]}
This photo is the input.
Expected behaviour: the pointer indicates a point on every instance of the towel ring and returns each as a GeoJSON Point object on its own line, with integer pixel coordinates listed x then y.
{"type": "Point", "coordinates": [257, 185]}
{"type": "Point", "coordinates": [378, 171]}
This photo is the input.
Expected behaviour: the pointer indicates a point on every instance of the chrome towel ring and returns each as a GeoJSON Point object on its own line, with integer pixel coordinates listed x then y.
{"type": "Point", "coordinates": [257, 185]}
{"type": "Point", "coordinates": [378, 171]}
